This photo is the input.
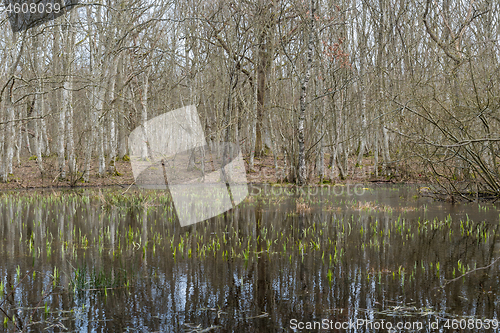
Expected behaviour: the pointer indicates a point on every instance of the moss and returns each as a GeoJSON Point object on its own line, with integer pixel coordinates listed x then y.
{"type": "Point", "coordinates": [32, 158]}
{"type": "Point", "coordinates": [126, 158]}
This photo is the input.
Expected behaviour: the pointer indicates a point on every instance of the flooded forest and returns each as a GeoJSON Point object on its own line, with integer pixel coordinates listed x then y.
{"type": "Point", "coordinates": [268, 166]}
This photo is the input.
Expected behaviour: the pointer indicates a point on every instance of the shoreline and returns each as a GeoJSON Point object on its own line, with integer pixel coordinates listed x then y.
{"type": "Point", "coordinates": [27, 176]}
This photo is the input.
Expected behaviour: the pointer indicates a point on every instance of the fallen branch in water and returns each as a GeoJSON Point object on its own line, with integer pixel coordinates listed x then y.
{"type": "Point", "coordinates": [471, 271]}
{"type": "Point", "coordinates": [20, 326]}
{"type": "Point", "coordinates": [128, 188]}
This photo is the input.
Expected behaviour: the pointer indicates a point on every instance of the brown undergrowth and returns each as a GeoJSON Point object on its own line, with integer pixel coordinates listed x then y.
{"type": "Point", "coordinates": [27, 175]}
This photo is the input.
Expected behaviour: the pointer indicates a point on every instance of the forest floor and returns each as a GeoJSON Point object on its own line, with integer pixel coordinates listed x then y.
{"type": "Point", "coordinates": [27, 175]}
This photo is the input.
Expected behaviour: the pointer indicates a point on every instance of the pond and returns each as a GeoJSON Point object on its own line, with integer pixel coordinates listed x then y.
{"type": "Point", "coordinates": [302, 260]}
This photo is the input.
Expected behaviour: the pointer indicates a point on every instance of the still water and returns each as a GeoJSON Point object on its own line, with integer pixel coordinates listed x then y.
{"type": "Point", "coordinates": [108, 261]}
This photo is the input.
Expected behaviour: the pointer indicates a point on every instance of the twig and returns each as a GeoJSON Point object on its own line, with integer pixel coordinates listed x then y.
{"type": "Point", "coordinates": [13, 289]}
{"type": "Point", "coordinates": [128, 188]}
{"type": "Point", "coordinates": [58, 174]}
{"type": "Point", "coordinates": [37, 306]}
{"type": "Point", "coordinates": [471, 271]}
{"type": "Point", "coordinates": [10, 318]}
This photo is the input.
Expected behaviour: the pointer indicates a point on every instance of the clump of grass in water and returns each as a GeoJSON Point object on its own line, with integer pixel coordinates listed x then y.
{"type": "Point", "coordinates": [98, 280]}
{"type": "Point", "coordinates": [301, 206]}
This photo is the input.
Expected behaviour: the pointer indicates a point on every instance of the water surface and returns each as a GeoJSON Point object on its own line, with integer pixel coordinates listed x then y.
{"type": "Point", "coordinates": [92, 261]}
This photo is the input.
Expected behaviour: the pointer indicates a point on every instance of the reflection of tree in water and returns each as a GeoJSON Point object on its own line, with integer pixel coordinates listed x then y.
{"type": "Point", "coordinates": [167, 292]}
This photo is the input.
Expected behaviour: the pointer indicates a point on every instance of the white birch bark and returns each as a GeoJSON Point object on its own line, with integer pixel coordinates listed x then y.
{"type": "Point", "coordinates": [376, 152]}
{"type": "Point", "coordinates": [100, 143]}
{"type": "Point", "coordinates": [91, 121]}
{"type": "Point", "coordinates": [13, 45]}
{"type": "Point", "coordinates": [38, 139]}
{"type": "Point", "coordinates": [61, 125]}
{"type": "Point", "coordinates": [362, 87]}
{"type": "Point", "coordinates": [144, 115]}
{"type": "Point", "coordinates": [9, 132]}
{"type": "Point", "coordinates": [67, 100]}
{"type": "Point", "coordinates": [380, 61]}
{"type": "Point", "coordinates": [68, 90]}
{"type": "Point", "coordinates": [112, 117]}
{"type": "Point", "coordinates": [39, 104]}
{"type": "Point", "coordinates": [273, 141]}
{"type": "Point", "coordinates": [253, 124]}
{"type": "Point", "coordinates": [102, 52]}
{"type": "Point", "coordinates": [320, 130]}
{"type": "Point", "coordinates": [27, 139]}
{"type": "Point", "coordinates": [2, 139]}
{"type": "Point", "coordinates": [364, 130]}
{"type": "Point", "coordinates": [90, 147]}
{"type": "Point", "coordinates": [19, 139]}
{"type": "Point", "coordinates": [320, 163]}
{"type": "Point", "coordinates": [45, 138]}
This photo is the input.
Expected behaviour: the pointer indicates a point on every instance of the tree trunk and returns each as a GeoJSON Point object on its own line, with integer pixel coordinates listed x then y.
{"type": "Point", "coordinates": [70, 42]}
{"type": "Point", "coordinates": [112, 117]}
{"type": "Point", "coordinates": [264, 55]}
{"type": "Point", "coordinates": [39, 105]}
{"type": "Point", "coordinates": [19, 137]}
{"type": "Point", "coordinates": [7, 167]}
{"type": "Point", "coordinates": [381, 85]}
{"type": "Point", "coordinates": [145, 153]}
{"type": "Point", "coordinates": [362, 87]}
{"type": "Point", "coordinates": [7, 150]}
{"type": "Point", "coordinates": [61, 136]}
{"type": "Point", "coordinates": [92, 120]}
{"type": "Point", "coordinates": [301, 168]}
{"type": "Point", "coordinates": [253, 126]}
{"type": "Point", "coordinates": [100, 143]}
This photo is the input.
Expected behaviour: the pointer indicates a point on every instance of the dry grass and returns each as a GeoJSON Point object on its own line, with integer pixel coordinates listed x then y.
{"type": "Point", "coordinates": [302, 207]}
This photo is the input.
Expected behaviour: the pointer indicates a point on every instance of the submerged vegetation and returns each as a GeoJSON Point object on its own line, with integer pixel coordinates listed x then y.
{"type": "Point", "coordinates": [65, 255]}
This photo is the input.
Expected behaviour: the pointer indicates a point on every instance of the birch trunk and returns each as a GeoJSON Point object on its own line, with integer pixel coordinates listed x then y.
{"type": "Point", "coordinates": [112, 117]}
{"type": "Point", "coordinates": [144, 116]}
{"type": "Point", "coordinates": [321, 129]}
{"type": "Point", "coordinates": [8, 148]}
{"type": "Point", "coordinates": [61, 125]}
{"type": "Point", "coordinates": [364, 129]}
{"type": "Point", "coordinates": [122, 129]}
{"type": "Point", "coordinates": [38, 138]}
{"type": "Point", "coordinates": [61, 162]}
{"type": "Point", "coordinates": [27, 139]}
{"type": "Point", "coordinates": [253, 129]}
{"type": "Point", "coordinates": [91, 123]}
{"type": "Point", "coordinates": [10, 135]}
{"type": "Point", "coordinates": [381, 83]}
{"type": "Point", "coordinates": [39, 104]}
{"type": "Point", "coordinates": [2, 139]}
{"type": "Point", "coordinates": [362, 92]}
{"type": "Point", "coordinates": [341, 151]}
{"type": "Point", "coordinates": [100, 143]}
{"type": "Point", "coordinates": [302, 170]}
{"type": "Point", "coordinates": [320, 162]}
{"type": "Point", "coordinates": [68, 96]}
{"type": "Point", "coordinates": [67, 100]}
{"type": "Point", "coordinates": [45, 138]}
{"type": "Point", "coordinates": [102, 53]}
{"type": "Point", "coordinates": [90, 147]}
{"type": "Point", "coordinates": [19, 138]}
{"type": "Point", "coordinates": [7, 160]}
